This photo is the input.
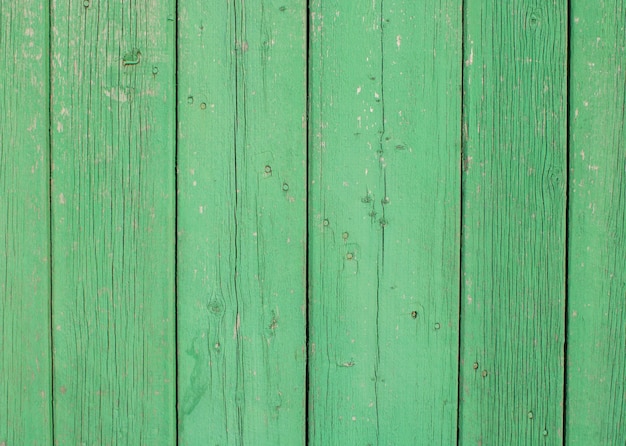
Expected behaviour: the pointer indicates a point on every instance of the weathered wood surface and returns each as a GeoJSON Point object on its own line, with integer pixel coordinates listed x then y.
{"type": "Point", "coordinates": [596, 343]}
{"type": "Point", "coordinates": [514, 223]}
{"type": "Point", "coordinates": [25, 363]}
{"type": "Point", "coordinates": [464, 286]}
{"type": "Point", "coordinates": [242, 222]}
{"type": "Point", "coordinates": [384, 221]}
{"type": "Point", "coordinates": [113, 216]}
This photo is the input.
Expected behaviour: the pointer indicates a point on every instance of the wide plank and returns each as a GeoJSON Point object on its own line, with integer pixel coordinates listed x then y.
{"type": "Point", "coordinates": [514, 222]}
{"type": "Point", "coordinates": [113, 214]}
{"type": "Point", "coordinates": [384, 223]}
{"type": "Point", "coordinates": [242, 222]}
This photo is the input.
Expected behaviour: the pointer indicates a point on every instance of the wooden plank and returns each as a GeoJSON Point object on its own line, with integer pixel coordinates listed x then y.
{"type": "Point", "coordinates": [113, 204]}
{"type": "Point", "coordinates": [384, 221]}
{"type": "Point", "coordinates": [25, 363]}
{"type": "Point", "coordinates": [596, 362]}
{"type": "Point", "coordinates": [513, 244]}
{"type": "Point", "coordinates": [242, 222]}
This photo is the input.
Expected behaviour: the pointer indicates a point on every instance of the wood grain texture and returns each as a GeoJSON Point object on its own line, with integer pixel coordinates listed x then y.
{"type": "Point", "coordinates": [113, 203]}
{"type": "Point", "coordinates": [513, 244]}
{"type": "Point", "coordinates": [25, 363]}
{"type": "Point", "coordinates": [242, 222]}
{"type": "Point", "coordinates": [438, 148]}
{"type": "Point", "coordinates": [596, 372]}
{"type": "Point", "coordinates": [384, 221]}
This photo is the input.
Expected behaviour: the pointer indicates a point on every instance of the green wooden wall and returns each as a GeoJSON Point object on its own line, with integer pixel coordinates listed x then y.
{"type": "Point", "coordinates": [383, 222]}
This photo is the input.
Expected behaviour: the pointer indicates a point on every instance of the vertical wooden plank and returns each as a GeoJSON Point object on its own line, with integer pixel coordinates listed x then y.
{"type": "Point", "coordinates": [242, 222]}
{"type": "Point", "coordinates": [419, 164]}
{"type": "Point", "coordinates": [206, 311]}
{"type": "Point", "coordinates": [596, 363]}
{"type": "Point", "coordinates": [113, 221]}
{"type": "Point", "coordinates": [513, 265]}
{"type": "Point", "coordinates": [384, 221]}
{"type": "Point", "coordinates": [25, 365]}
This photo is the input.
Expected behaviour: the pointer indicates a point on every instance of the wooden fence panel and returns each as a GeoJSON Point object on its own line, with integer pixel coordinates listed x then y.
{"type": "Point", "coordinates": [463, 285]}
{"type": "Point", "coordinates": [514, 215]}
{"type": "Point", "coordinates": [113, 207]}
{"type": "Point", "coordinates": [384, 221]}
{"type": "Point", "coordinates": [25, 363]}
{"type": "Point", "coordinates": [596, 343]}
{"type": "Point", "coordinates": [242, 222]}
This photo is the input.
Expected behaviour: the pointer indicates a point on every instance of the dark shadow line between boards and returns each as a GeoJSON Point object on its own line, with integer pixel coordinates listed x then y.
{"type": "Point", "coordinates": [460, 222]}
{"type": "Point", "coordinates": [307, 363]}
{"type": "Point", "coordinates": [176, 222]}
{"type": "Point", "coordinates": [567, 214]}
{"type": "Point", "coordinates": [50, 222]}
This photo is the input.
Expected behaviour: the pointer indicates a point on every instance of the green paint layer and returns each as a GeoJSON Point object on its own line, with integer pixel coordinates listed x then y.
{"type": "Point", "coordinates": [25, 363]}
{"type": "Point", "coordinates": [514, 214]}
{"type": "Point", "coordinates": [596, 343]}
{"type": "Point", "coordinates": [113, 215]}
{"type": "Point", "coordinates": [242, 222]}
{"type": "Point", "coordinates": [165, 183]}
{"type": "Point", "coordinates": [384, 178]}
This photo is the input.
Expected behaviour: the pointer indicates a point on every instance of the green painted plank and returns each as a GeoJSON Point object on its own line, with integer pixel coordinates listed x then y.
{"type": "Point", "coordinates": [242, 222]}
{"type": "Point", "coordinates": [25, 378]}
{"type": "Point", "coordinates": [113, 207]}
{"type": "Point", "coordinates": [513, 244]}
{"type": "Point", "coordinates": [384, 221]}
{"type": "Point", "coordinates": [596, 362]}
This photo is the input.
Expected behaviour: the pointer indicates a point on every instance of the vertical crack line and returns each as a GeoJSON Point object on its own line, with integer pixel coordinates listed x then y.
{"type": "Point", "coordinates": [461, 221]}
{"type": "Point", "coordinates": [239, 349]}
{"type": "Point", "coordinates": [176, 213]}
{"type": "Point", "coordinates": [383, 222]}
{"type": "Point", "coordinates": [381, 254]}
{"type": "Point", "coordinates": [307, 322]}
{"type": "Point", "coordinates": [567, 212]}
{"type": "Point", "coordinates": [235, 140]}
{"type": "Point", "coordinates": [50, 219]}
{"type": "Point", "coordinates": [235, 131]}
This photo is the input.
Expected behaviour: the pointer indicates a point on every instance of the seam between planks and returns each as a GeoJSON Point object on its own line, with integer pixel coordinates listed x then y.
{"type": "Point", "coordinates": [50, 223]}
{"type": "Point", "coordinates": [176, 209]}
{"type": "Point", "coordinates": [307, 322]}
{"type": "Point", "coordinates": [567, 215]}
{"type": "Point", "coordinates": [460, 222]}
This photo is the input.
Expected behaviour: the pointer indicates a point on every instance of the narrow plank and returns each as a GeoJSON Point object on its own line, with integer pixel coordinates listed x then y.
{"type": "Point", "coordinates": [207, 357]}
{"type": "Point", "coordinates": [113, 207]}
{"type": "Point", "coordinates": [242, 222]}
{"type": "Point", "coordinates": [596, 362]}
{"type": "Point", "coordinates": [25, 363]}
{"type": "Point", "coordinates": [384, 221]}
{"type": "Point", "coordinates": [513, 244]}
